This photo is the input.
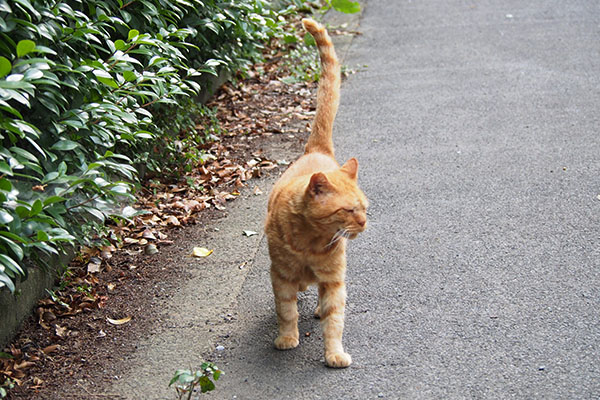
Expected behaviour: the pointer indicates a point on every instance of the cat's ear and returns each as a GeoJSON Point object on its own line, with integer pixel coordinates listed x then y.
{"type": "Point", "coordinates": [318, 184]}
{"type": "Point", "coordinates": [351, 168]}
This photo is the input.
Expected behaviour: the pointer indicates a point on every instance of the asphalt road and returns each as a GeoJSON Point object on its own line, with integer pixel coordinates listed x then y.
{"type": "Point", "coordinates": [476, 124]}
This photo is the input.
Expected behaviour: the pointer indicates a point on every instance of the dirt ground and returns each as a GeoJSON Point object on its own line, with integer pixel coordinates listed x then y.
{"type": "Point", "coordinates": [64, 346]}
{"type": "Point", "coordinates": [89, 350]}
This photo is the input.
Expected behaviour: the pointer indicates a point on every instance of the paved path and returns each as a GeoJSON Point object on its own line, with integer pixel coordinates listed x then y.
{"type": "Point", "coordinates": [477, 128]}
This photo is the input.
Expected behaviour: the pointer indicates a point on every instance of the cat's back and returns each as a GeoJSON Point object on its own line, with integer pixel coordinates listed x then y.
{"type": "Point", "coordinates": [307, 165]}
{"type": "Point", "coordinates": [297, 176]}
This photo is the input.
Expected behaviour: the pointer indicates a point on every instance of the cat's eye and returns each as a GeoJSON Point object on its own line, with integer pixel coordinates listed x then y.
{"type": "Point", "coordinates": [350, 210]}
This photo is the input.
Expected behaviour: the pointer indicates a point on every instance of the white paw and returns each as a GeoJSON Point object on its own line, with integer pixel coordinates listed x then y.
{"type": "Point", "coordinates": [338, 360]}
{"type": "Point", "coordinates": [286, 342]}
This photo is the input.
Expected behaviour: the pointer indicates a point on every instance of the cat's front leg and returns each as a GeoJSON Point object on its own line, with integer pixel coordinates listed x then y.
{"type": "Point", "coordinates": [332, 301]}
{"type": "Point", "coordinates": [287, 312]}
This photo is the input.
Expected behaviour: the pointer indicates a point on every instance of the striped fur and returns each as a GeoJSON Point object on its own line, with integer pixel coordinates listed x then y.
{"type": "Point", "coordinates": [328, 94]}
{"type": "Point", "coordinates": [313, 209]}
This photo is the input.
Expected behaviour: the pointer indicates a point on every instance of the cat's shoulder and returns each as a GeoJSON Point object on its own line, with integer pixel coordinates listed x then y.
{"type": "Point", "coordinates": [309, 164]}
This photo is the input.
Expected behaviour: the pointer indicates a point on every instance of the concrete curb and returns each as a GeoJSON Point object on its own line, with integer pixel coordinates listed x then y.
{"type": "Point", "coordinates": [15, 308]}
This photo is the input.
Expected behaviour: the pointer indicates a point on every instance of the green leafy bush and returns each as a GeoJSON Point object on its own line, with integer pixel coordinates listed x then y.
{"type": "Point", "coordinates": [81, 85]}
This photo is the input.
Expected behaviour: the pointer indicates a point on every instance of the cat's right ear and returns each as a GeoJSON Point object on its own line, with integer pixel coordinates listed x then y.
{"type": "Point", "coordinates": [318, 184]}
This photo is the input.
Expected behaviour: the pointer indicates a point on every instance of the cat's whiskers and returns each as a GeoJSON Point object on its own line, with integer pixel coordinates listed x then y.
{"type": "Point", "coordinates": [341, 233]}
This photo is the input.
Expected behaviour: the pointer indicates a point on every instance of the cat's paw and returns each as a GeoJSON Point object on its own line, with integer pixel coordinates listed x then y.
{"type": "Point", "coordinates": [286, 342]}
{"type": "Point", "coordinates": [338, 360]}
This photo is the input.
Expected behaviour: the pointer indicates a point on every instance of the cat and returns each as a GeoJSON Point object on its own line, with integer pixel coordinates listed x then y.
{"type": "Point", "coordinates": [313, 209]}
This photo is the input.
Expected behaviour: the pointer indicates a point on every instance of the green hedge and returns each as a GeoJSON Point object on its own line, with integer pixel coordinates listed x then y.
{"type": "Point", "coordinates": [81, 84]}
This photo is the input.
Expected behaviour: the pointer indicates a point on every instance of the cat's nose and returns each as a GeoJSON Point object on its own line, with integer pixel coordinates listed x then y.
{"type": "Point", "coordinates": [361, 221]}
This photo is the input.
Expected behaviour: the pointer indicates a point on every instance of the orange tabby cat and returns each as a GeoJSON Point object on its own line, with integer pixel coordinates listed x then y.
{"type": "Point", "coordinates": [314, 207]}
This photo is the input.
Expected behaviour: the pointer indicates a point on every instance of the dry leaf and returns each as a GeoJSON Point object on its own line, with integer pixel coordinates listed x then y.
{"type": "Point", "coordinates": [60, 330]}
{"type": "Point", "coordinates": [118, 321]}
{"type": "Point", "coordinates": [151, 249]}
{"type": "Point", "coordinates": [148, 234]}
{"type": "Point", "coordinates": [106, 251]}
{"type": "Point", "coordinates": [24, 365]}
{"type": "Point", "coordinates": [50, 349]}
{"type": "Point", "coordinates": [171, 220]}
{"type": "Point", "coordinates": [94, 266]}
{"type": "Point", "coordinates": [129, 240]}
{"type": "Point", "coordinates": [201, 252]}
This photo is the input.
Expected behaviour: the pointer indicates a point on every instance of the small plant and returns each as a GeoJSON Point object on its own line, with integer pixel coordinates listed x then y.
{"type": "Point", "coordinates": [186, 380]}
{"type": "Point", "coordinates": [302, 61]}
{"type": "Point", "coordinates": [345, 6]}
{"type": "Point", "coordinates": [7, 385]}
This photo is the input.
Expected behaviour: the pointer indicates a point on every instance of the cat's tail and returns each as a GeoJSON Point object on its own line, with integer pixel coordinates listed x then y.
{"type": "Point", "coordinates": [328, 94]}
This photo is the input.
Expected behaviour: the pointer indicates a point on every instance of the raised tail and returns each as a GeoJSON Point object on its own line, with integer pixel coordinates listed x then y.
{"type": "Point", "coordinates": [328, 94]}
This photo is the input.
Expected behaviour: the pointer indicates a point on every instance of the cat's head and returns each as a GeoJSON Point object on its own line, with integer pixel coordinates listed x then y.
{"type": "Point", "coordinates": [335, 203]}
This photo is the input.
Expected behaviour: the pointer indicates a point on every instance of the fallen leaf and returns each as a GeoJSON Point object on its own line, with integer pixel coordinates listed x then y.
{"type": "Point", "coordinates": [148, 234]}
{"type": "Point", "coordinates": [151, 249]}
{"type": "Point", "coordinates": [106, 251]}
{"type": "Point", "coordinates": [118, 321]}
{"type": "Point", "coordinates": [50, 349]}
{"type": "Point", "coordinates": [250, 233]}
{"type": "Point", "coordinates": [24, 365]}
{"type": "Point", "coordinates": [162, 236]}
{"type": "Point", "coordinates": [111, 287]}
{"type": "Point", "coordinates": [201, 252]}
{"type": "Point", "coordinates": [60, 330]}
{"type": "Point", "coordinates": [94, 266]}
{"type": "Point", "coordinates": [48, 316]}
{"type": "Point", "coordinates": [257, 191]}
{"type": "Point", "coordinates": [172, 220]}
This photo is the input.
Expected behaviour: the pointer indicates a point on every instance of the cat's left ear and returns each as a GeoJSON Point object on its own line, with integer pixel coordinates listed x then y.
{"type": "Point", "coordinates": [351, 168]}
{"type": "Point", "coordinates": [318, 184]}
